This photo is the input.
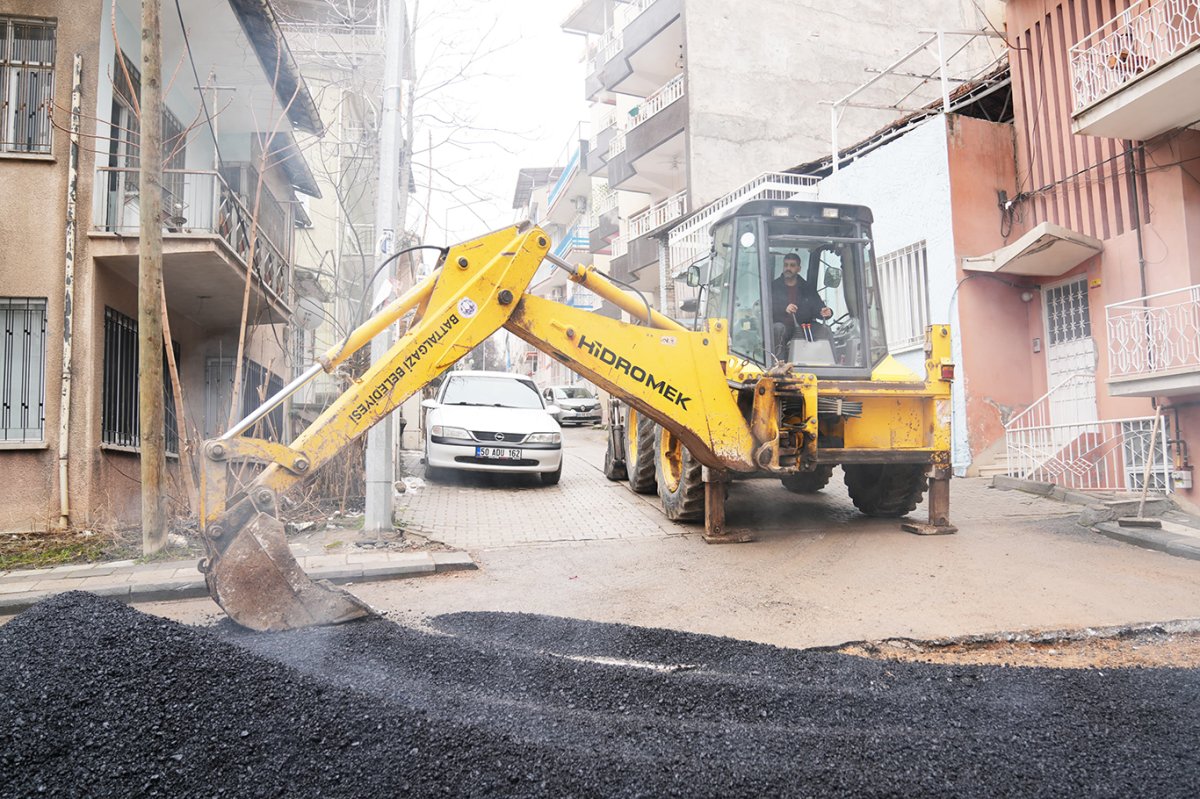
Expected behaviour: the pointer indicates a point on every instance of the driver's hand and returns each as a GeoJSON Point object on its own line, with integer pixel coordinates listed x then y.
{"type": "Point", "coordinates": [792, 308]}
{"type": "Point", "coordinates": [826, 312]}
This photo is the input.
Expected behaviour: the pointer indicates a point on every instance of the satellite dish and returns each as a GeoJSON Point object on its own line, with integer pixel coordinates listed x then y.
{"type": "Point", "coordinates": [310, 313]}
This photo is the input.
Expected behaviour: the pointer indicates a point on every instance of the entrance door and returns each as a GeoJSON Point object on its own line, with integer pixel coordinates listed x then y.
{"type": "Point", "coordinates": [1070, 350]}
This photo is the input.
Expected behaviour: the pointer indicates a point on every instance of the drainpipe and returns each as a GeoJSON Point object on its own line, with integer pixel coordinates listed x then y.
{"type": "Point", "coordinates": [64, 410]}
{"type": "Point", "coordinates": [1135, 212]}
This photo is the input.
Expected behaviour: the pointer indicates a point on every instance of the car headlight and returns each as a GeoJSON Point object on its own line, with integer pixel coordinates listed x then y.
{"type": "Point", "coordinates": [449, 432]}
{"type": "Point", "coordinates": [544, 438]}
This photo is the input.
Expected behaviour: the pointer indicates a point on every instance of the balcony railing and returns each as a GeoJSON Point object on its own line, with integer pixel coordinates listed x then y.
{"type": "Point", "coordinates": [619, 246]}
{"type": "Point", "coordinates": [564, 178]}
{"type": "Point", "coordinates": [195, 202]}
{"type": "Point", "coordinates": [617, 145]}
{"type": "Point", "coordinates": [658, 215]}
{"type": "Point", "coordinates": [576, 237]}
{"type": "Point", "coordinates": [1148, 33]}
{"type": "Point", "coordinates": [1153, 335]}
{"type": "Point", "coordinates": [612, 41]}
{"type": "Point", "coordinates": [689, 240]}
{"type": "Point", "coordinates": [603, 201]}
{"type": "Point", "coordinates": [668, 93]}
{"type": "Point", "coordinates": [1103, 455]}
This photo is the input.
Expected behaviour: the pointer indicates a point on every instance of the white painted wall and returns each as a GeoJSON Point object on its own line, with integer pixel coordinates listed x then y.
{"type": "Point", "coordinates": [906, 184]}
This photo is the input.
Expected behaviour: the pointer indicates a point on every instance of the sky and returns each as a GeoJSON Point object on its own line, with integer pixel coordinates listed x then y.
{"type": "Point", "coordinates": [512, 98]}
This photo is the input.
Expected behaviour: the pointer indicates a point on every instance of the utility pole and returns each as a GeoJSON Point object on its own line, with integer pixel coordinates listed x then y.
{"type": "Point", "coordinates": [380, 469]}
{"type": "Point", "coordinates": [150, 323]}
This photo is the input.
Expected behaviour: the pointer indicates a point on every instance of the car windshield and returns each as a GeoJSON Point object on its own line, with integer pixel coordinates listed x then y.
{"type": "Point", "coordinates": [572, 392]}
{"type": "Point", "coordinates": [492, 392]}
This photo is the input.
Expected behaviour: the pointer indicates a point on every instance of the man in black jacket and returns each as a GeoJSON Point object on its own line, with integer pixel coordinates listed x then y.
{"type": "Point", "coordinates": [794, 302]}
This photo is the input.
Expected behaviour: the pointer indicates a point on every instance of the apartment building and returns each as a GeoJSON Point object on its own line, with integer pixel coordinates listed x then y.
{"type": "Point", "coordinates": [69, 220]}
{"type": "Point", "coordinates": [698, 103]}
{"type": "Point", "coordinates": [560, 199]}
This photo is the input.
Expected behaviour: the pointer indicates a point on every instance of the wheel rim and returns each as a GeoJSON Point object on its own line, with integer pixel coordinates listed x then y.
{"type": "Point", "coordinates": [631, 440]}
{"type": "Point", "coordinates": [670, 458]}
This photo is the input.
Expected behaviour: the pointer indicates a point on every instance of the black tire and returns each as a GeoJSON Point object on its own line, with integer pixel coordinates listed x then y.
{"type": "Point", "coordinates": [639, 452]}
{"type": "Point", "coordinates": [886, 490]}
{"type": "Point", "coordinates": [613, 469]}
{"type": "Point", "coordinates": [807, 482]}
{"type": "Point", "coordinates": [436, 474]}
{"type": "Point", "coordinates": [680, 478]}
{"type": "Point", "coordinates": [551, 478]}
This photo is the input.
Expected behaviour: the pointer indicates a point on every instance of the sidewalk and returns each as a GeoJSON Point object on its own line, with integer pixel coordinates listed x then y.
{"type": "Point", "coordinates": [154, 582]}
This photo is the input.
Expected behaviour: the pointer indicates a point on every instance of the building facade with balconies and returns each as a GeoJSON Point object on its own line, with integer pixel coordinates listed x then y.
{"type": "Point", "coordinates": [69, 142]}
{"type": "Point", "coordinates": [1079, 250]}
{"type": "Point", "coordinates": [696, 99]}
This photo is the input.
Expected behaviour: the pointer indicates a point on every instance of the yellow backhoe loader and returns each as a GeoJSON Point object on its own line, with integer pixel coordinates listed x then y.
{"type": "Point", "coordinates": [741, 393]}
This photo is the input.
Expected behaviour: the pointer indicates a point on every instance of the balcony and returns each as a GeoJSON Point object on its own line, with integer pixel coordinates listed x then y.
{"type": "Point", "coordinates": [207, 242]}
{"type": "Point", "coordinates": [639, 52]}
{"type": "Point", "coordinates": [1138, 75]}
{"type": "Point", "coordinates": [604, 219]}
{"type": "Point", "coordinates": [573, 184]}
{"type": "Point", "coordinates": [597, 156]}
{"type": "Point", "coordinates": [658, 216]}
{"type": "Point", "coordinates": [1154, 345]}
{"type": "Point", "coordinates": [575, 240]}
{"type": "Point", "coordinates": [649, 155]}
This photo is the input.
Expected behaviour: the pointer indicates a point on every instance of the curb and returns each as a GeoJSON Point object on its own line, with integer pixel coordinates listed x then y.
{"type": "Point", "coordinates": [1171, 543]}
{"type": "Point", "coordinates": [419, 565]}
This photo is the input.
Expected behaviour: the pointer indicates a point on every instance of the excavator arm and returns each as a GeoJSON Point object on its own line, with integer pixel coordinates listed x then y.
{"type": "Point", "coordinates": [673, 375]}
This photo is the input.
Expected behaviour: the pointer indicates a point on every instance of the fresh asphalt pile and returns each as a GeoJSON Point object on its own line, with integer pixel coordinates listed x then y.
{"type": "Point", "coordinates": [97, 699]}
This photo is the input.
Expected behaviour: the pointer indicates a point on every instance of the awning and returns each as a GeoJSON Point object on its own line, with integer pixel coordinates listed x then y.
{"type": "Point", "coordinates": [1048, 250]}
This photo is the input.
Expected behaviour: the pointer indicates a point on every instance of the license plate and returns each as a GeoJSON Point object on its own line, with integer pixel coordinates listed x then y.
{"type": "Point", "coordinates": [498, 453]}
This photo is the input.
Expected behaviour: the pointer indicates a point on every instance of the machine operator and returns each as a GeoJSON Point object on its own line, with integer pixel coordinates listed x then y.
{"type": "Point", "coordinates": [795, 304]}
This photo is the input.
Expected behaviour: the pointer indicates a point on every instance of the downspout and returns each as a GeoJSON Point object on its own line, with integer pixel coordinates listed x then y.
{"type": "Point", "coordinates": [1135, 215]}
{"type": "Point", "coordinates": [64, 410]}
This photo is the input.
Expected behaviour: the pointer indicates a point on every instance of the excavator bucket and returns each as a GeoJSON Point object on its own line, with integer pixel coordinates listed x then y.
{"type": "Point", "coordinates": [258, 582]}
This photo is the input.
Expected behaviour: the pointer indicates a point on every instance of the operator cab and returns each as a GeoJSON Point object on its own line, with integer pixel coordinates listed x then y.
{"type": "Point", "coordinates": [836, 329]}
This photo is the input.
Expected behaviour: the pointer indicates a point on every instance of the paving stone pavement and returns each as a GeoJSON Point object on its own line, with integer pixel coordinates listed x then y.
{"type": "Point", "coordinates": [482, 511]}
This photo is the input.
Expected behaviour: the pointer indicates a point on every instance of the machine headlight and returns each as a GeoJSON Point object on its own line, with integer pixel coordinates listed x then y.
{"type": "Point", "coordinates": [450, 432]}
{"type": "Point", "coordinates": [544, 438]}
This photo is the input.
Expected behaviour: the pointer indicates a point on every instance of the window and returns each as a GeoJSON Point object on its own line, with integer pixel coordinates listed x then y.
{"type": "Point", "coordinates": [124, 141]}
{"type": "Point", "coordinates": [904, 286]}
{"type": "Point", "coordinates": [1068, 316]}
{"type": "Point", "coordinates": [258, 384]}
{"type": "Point", "coordinates": [26, 84]}
{"type": "Point", "coordinates": [23, 365]}
{"type": "Point", "coordinates": [120, 415]}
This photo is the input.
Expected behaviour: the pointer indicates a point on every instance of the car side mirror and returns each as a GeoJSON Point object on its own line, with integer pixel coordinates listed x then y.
{"type": "Point", "coordinates": [554, 410]}
{"type": "Point", "coordinates": [833, 277]}
{"type": "Point", "coordinates": [429, 404]}
{"type": "Point", "coordinates": [693, 276]}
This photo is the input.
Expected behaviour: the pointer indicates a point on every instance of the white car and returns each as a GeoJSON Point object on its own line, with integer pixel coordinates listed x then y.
{"type": "Point", "coordinates": [579, 405]}
{"type": "Point", "coordinates": [492, 422]}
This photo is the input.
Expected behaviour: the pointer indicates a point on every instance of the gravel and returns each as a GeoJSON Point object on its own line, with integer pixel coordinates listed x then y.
{"type": "Point", "coordinates": [98, 699]}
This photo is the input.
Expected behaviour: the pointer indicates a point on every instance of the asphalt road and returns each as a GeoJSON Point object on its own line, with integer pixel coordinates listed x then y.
{"type": "Point", "coordinates": [100, 700]}
{"type": "Point", "coordinates": [818, 574]}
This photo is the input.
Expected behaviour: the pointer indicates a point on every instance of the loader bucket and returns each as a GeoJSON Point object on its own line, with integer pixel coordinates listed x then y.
{"type": "Point", "coordinates": [255, 580]}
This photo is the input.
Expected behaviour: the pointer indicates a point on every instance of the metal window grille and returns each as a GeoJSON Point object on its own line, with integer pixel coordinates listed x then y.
{"type": "Point", "coordinates": [26, 84]}
{"type": "Point", "coordinates": [1067, 312]}
{"type": "Point", "coordinates": [22, 369]}
{"type": "Point", "coordinates": [904, 289]}
{"type": "Point", "coordinates": [258, 383]}
{"type": "Point", "coordinates": [121, 407]}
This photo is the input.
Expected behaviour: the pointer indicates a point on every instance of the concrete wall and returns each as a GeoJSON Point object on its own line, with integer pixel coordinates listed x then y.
{"type": "Point", "coordinates": [757, 73]}
{"type": "Point", "coordinates": [32, 251]}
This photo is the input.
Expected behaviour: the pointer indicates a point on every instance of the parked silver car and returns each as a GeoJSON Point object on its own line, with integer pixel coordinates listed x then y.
{"type": "Point", "coordinates": [578, 403]}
